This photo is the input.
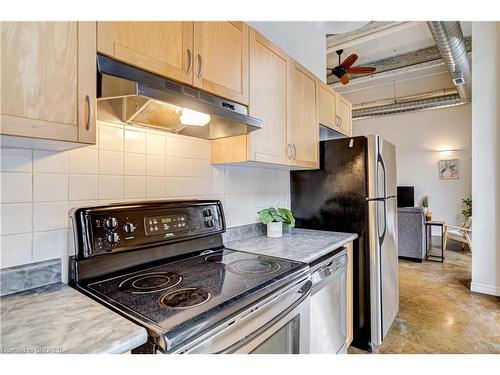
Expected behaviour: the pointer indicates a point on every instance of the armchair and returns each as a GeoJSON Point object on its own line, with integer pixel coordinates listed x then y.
{"type": "Point", "coordinates": [460, 234]}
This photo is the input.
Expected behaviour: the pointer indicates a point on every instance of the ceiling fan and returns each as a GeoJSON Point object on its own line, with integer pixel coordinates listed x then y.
{"type": "Point", "coordinates": [343, 69]}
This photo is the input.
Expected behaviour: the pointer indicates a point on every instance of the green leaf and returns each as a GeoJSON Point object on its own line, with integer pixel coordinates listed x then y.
{"type": "Point", "coordinates": [265, 216]}
{"type": "Point", "coordinates": [287, 216]}
{"type": "Point", "coordinates": [276, 216]}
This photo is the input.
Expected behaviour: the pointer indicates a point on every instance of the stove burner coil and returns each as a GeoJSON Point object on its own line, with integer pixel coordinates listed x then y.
{"type": "Point", "coordinates": [184, 298]}
{"type": "Point", "coordinates": [255, 266]}
{"type": "Point", "coordinates": [150, 282]}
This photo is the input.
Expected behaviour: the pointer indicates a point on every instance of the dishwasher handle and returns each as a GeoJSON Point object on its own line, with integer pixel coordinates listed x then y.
{"type": "Point", "coordinates": [328, 272]}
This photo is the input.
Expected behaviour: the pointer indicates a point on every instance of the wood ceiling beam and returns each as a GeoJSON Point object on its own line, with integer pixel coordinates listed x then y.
{"type": "Point", "coordinates": [365, 34]}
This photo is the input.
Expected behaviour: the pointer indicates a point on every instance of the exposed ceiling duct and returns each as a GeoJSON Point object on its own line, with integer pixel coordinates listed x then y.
{"type": "Point", "coordinates": [450, 42]}
{"type": "Point", "coordinates": [396, 107]}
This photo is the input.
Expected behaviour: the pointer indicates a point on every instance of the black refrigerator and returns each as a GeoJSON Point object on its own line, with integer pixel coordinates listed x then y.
{"type": "Point", "coordinates": [354, 191]}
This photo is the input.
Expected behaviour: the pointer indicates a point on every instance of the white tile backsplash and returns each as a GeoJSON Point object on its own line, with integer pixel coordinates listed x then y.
{"type": "Point", "coordinates": [135, 140]}
{"type": "Point", "coordinates": [110, 137]}
{"type": "Point", "coordinates": [129, 163]}
{"type": "Point", "coordinates": [83, 160]}
{"type": "Point", "coordinates": [15, 249]}
{"type": "Point", "coordinates": [16, 187]}
{"type": "Point", "coordinates": [50, 216]}
{"type": "Point", "coordinates": [50, 162]}
{"type": "Point", "coordinates": [83, 187]}
{"type": "Point", "coordinates": [155, 165]}
{"type": "Point", "coordinates": [15, 218]}
{"type": "Point", "coordinates": [135, 187]}
{"type": "Point", "coordinates": [50, 245]}
{"type": "Point", "coordinates": [135, 164]}
{"type": "Point", "coordinates": [50, 187]}
{"type": "Point", "coordinates": [110, 187]}
{"type": "Point", "coordinates": [155, 143]}
{"type": "Point", "coordinates": [16, 160]}
{"type": "Point", "coordinates": [111, 162]}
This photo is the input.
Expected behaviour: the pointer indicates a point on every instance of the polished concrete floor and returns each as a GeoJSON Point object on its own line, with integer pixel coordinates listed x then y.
{"type": "Point", "coordinates": [439, 314]}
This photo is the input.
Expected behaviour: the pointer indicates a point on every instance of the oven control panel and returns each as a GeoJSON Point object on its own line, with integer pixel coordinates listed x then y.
{"type": "Point", "coordinates": [102, 230]}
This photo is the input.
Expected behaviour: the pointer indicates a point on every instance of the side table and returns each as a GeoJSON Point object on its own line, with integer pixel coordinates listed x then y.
{"type": "Point", "coordinates": [428, 241]}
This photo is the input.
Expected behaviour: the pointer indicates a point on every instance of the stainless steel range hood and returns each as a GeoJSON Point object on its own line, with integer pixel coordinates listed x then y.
{"type": "Point", "coordinates": [131, 95]}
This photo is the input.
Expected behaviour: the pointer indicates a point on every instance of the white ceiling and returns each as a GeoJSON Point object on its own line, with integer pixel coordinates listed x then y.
{"type": "Point", "coordinates": [406, 38]}
{"type": "Point", "coordinates": [400, 39]}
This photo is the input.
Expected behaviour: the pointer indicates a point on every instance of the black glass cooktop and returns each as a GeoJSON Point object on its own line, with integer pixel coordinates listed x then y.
{"type": "Point", "coordinates": [182, 292]}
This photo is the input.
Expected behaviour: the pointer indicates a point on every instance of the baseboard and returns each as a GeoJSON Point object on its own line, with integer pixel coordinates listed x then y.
{"type": "Point", "coordinates": [486, 289]}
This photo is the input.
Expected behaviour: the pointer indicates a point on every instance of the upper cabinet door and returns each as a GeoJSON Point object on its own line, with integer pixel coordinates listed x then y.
{"type": "Point", "coordinates": [48, 73]}
{"type": "Point", "coordinates": [344, 116]}
{"type": "Point", "coordinates": [164, 48]}
{"type": "Point", "coordinates": [221, 59]}
{"type": "Point", "coordinates": [327, 112]}
{"type": "Point", "coordinates": [305, 129]}
{"type": "Point", "coordinates": [269, 100]}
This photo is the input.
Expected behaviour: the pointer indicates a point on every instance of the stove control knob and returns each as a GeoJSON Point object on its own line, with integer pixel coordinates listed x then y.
{"type": "Point", "coordinates": [111, 223]}
{"type": "Point", "coordinates": [129, 228]}
{"type": "Point", "coordinates": [113, 238]}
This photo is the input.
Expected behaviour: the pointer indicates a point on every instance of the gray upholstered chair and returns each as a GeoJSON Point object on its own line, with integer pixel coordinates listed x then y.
{"type": "Point", "coordinates": [411, 232]}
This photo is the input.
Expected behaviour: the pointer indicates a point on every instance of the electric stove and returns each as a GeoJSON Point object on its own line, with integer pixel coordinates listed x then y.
{"type": "Point", "coordinates": [164, 266]}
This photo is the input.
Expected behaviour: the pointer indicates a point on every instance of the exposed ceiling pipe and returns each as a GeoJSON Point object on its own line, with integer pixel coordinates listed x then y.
{"type": "Point", "coordinates": [408, 106]}
{"type": "Point", "coordinates": [450, 42]}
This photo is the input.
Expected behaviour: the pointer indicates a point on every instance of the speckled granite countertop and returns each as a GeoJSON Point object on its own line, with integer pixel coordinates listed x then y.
{"type": "Point", "coordinates": [303, 245]}
{"type": "Point", "coordinates": [58, 319]}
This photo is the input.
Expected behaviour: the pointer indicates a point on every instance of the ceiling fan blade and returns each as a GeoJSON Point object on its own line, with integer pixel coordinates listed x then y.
{"type": "Point", "coordinates": [361, 69]}
{"type": "Point", "coordinates": [344, 79]}
{"type": "Point", "coordinates": [349, 61]}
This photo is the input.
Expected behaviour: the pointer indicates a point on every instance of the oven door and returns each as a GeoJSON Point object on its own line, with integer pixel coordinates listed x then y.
{"type": "Point", "coordinates": [279, 324]}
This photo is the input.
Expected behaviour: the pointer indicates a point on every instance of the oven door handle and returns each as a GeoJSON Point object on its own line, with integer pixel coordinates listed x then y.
{"type": "Point", "coordinates": [305, 291]}
{"type": "Point", "coordinates": [303, 288]}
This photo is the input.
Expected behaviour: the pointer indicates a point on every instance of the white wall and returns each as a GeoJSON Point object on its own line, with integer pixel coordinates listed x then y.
{"type": "Point", "coordinates": [128, 163]}
{"type": "Point", "coordinates": [299, 40]}
{"type": "Point", "coordinates": [486, 157]}
{"type": "Point", "coordinates": [418, 137]}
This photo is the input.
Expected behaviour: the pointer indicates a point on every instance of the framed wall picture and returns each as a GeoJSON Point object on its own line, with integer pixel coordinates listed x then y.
{"type": "Point", "coordinates": [448, 169]}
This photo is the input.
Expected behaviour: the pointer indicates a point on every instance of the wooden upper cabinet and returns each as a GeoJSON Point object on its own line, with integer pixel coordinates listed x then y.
{"type": "Point", "coordinates": [212, 56]}
{"type": "Point", "coordinates": [334, 111]}
{"type": "Point", "coordinates": [48, 72]}
{"type": "Point", "coordinates": [327, 111]}
{"type": "Point", "coordinates": [344, 113]}
{"type": "Point", "coordinates": [164, 48]}
{"type": "Point", "coordinates": [269, 100]}
{"type": "Point", "coordinates": [221, 59]}
{"type": "Point", "coordinates": [304, 134]}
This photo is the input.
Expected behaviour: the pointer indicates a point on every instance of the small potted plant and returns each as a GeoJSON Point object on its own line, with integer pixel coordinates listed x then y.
{"type": "Point", "coordinates": [467, 208]}
{"type": "Point", "coordinates": [275, 219]}
{"type": "Point", "coordinates": [425, 204]}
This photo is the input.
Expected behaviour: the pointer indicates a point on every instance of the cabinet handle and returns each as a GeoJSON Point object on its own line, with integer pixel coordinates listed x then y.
{"type": "Point", "coordinates": [340, 122]}
{"type": "Point", "coordinates": [88, 125]}
{"type": "Point", "coordinates": [190, 61]}
{"type": "Point", "coordinates": [288, 151]}
{"type": "Point", "coordinates": [200, 70]}
{"type": "Point", "coordinates": [294, 152]}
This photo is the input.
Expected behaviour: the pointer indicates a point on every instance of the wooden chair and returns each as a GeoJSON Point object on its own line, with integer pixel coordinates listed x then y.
{"type": "Point", "coordinates": [460, 234]}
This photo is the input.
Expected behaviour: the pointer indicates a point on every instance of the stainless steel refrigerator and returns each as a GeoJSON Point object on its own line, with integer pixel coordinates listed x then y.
{"type": "Point", "coordinates": [355, 191]}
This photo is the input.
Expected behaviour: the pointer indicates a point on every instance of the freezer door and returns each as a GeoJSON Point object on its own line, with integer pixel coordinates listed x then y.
{"type": "Point", "coordinates": [381, 168]}
{"type": "Point", "coordinates": [384, 275]}
{"type": "Point", "coordinates": [388, 156]}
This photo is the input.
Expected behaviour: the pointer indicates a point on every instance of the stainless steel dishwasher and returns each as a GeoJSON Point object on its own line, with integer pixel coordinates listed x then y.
{"type": "Point", "coordinates": [329, 305]}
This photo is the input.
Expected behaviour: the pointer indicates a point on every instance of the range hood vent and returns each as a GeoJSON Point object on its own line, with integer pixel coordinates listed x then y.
{"type": "Point", "coordinates": [131, 95]}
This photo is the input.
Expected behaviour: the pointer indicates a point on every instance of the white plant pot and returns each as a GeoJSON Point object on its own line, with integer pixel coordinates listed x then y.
{"type": "Point", "coordinates": [275, 229]}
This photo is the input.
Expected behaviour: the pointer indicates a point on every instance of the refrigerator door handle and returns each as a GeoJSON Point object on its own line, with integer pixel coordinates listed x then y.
{"type": "Point", "coordinates": [382, 164]}
{"type": "Point", "coordinates": [382, 236]}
